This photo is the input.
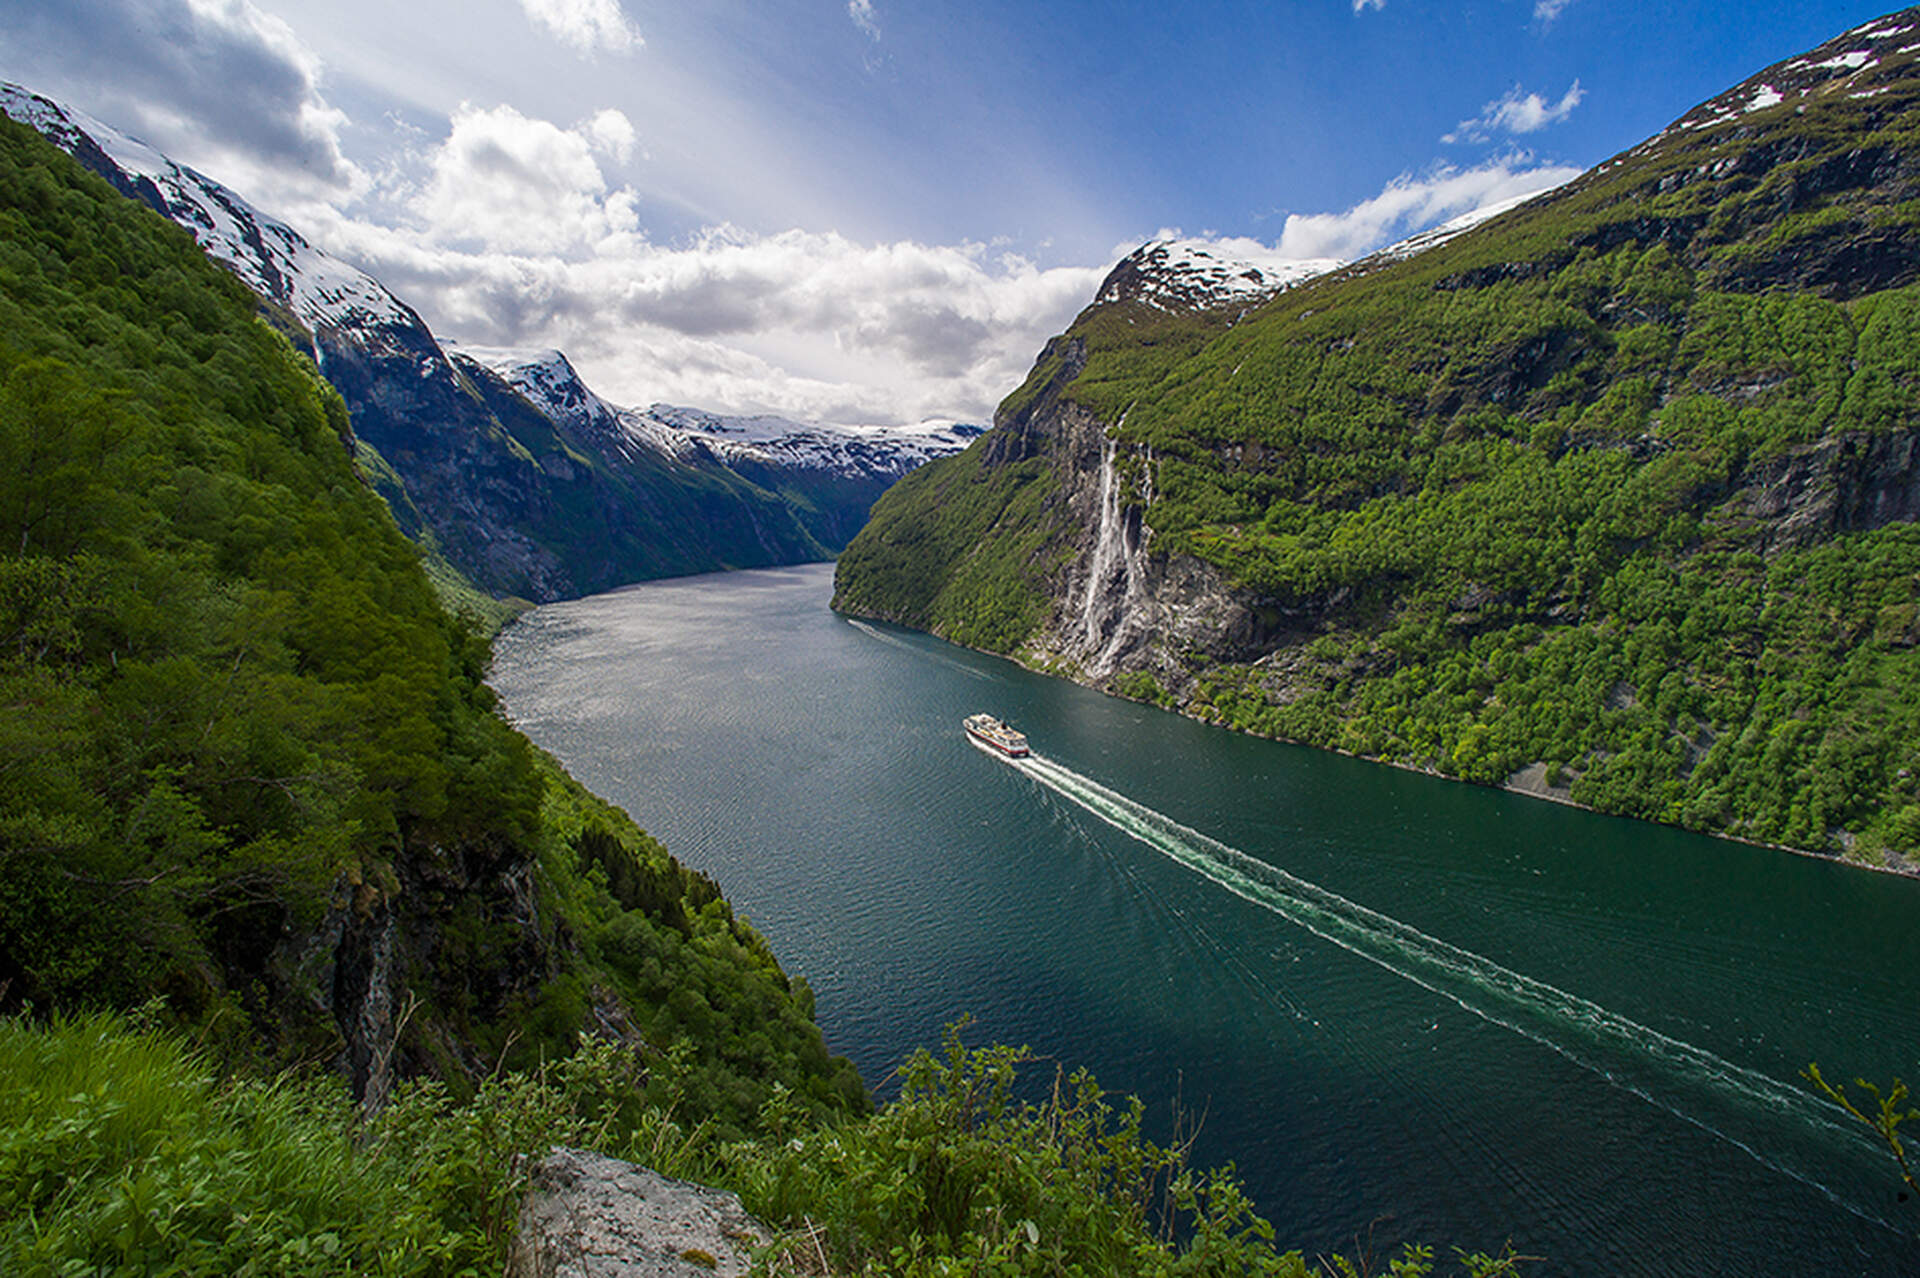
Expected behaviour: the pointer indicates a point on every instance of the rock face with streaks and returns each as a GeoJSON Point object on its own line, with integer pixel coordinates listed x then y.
{"type": "Point", "coordinates": [589, 1216]}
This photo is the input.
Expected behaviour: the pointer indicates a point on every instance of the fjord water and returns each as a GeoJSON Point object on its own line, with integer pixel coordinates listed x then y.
{"type": "Point", "coordinates": [1404, 1008]}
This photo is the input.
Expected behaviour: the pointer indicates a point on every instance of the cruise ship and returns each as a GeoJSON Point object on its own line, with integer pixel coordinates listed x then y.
{"type": "Point", "coordinates": [995, 735]}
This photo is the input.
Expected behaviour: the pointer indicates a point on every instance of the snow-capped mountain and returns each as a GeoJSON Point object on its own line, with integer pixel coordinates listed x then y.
{"type": "Point", "coordinates": [1191, 275]}
{"type": "Point", "coordinates": [1846, 63]}
{"type": "Point", "coordinates": [274, 260]}
{"type": "Point", "coordinates": [850, 451]}
{"type": "Point", "coordinates": [504, 462]}
{"type": "Point", "coordinates": [550, 383]}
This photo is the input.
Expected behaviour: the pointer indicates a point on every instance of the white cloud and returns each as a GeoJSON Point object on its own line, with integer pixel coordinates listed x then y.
{"type": "Point", "coordinates": [1545, 11]}
{"type": "Point", "coordinates": [515, 184]}
{"type": "Point", "coordinates": [803, 323]}
{"type": "Point", "coordinates": [1408, 204]}
{"type": "Point", "coordinates": [1361, 6]}
{"type": "Point", "coordinates": [611, 133]}
{"type": "Point", "coordinates": [521, 240]}
{"type": "Point", "coordinates": [861, 11]}
{"type": "Point", "coordinates": [587, 25]}
{"type": "Point", "coordinates": [217, 84]}
{"type": "Point", "coordinates": [1517, 113]}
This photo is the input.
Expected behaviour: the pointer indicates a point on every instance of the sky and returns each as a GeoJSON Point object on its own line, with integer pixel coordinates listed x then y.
{"type": "Point", "coordinates": [865, 210]}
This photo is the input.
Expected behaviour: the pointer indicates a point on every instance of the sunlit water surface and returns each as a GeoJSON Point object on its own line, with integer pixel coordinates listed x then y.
{"type": "Point", "coordinates": [1405, 1009]}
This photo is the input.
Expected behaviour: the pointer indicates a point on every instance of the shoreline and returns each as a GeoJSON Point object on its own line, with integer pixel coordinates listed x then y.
{"type": "Point", "coordinates": [1905, 869]}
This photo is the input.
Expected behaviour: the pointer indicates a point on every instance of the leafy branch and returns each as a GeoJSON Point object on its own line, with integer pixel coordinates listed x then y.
{"type": "Point", "coordinates": [1884, 1116]}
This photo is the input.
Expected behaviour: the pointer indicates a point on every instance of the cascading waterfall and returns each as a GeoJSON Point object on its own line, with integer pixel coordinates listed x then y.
{"type": "Point", "coordinates": [1107, 548]}
{"type": "Point", "coordinates": [1115, 572]}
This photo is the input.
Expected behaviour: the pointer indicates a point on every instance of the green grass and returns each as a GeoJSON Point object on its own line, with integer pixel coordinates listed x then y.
{"type": "Point", "coordinates": [123, 1151]}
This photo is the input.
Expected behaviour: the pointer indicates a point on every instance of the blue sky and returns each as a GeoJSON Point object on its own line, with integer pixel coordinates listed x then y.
{"type": "Point", "coordinates": [864, 209]}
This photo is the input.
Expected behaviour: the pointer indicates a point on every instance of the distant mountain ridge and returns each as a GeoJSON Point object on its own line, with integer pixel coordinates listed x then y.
{"type": "Point", "coordinates": [1610, 495]}
{"type": "Point", "coordinates": [504, 464]}
{"type": "Point", "coordinates": [550, 383]}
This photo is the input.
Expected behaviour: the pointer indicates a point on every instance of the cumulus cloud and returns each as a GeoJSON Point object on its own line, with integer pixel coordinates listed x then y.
{"type": "Point", "coordinates": [861, 11]}
{"type": "Point", "coordinates": [519, 240]}
{"type": "Point", "coordinates": [1517, 113]}
{"type": "Point", "coordinates": [516, 184]}
{"type": "Point", "coordinates": [586, 25]}
{"type": "Point", "coordinates": [1361, 6]}
{"type": "Point", "coordinates": [215, 83]}
{"type": "Point", "coordinates": [804, 323]}
{"type": "Point", "coordinates": [611, 132]}
{"type": "Point", "coordinates": [1408, 204]}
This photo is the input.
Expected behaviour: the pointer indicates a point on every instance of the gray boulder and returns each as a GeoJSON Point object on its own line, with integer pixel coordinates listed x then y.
{"type": "Point", "coordinates": [589, 1216]}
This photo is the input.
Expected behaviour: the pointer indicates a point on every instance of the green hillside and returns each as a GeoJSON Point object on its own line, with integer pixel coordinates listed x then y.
{"type": "Point", "coordinates": [248, 765]}
{"type": "Point", "coordinates": [1617, 488]}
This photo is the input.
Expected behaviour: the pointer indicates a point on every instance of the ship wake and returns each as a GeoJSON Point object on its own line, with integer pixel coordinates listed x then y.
{"type": "Point", "coordinates": [1779, 1125]}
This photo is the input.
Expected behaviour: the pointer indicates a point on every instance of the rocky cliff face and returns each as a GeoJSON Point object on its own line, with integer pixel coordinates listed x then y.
{"type": "Point", "coordinates": [1679, 392]}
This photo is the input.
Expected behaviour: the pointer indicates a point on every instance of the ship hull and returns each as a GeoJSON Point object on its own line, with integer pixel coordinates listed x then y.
{"type": "Point", "coordinates": [991, 734]}
{"type": "Point", "coordinates": [1012, 752]}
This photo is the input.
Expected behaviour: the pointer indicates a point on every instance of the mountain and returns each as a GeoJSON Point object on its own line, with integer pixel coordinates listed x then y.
{"type": "Point", "coordinates": [527, 485]}
{"type": "Point", "coordinates": [1189, 275]}
{"type": "Point", "coordinates": [829, 475]}
{"type": "Point", "coordinates": [1608, 497]}
{"type": "Point", "coordinates": [250, 774]}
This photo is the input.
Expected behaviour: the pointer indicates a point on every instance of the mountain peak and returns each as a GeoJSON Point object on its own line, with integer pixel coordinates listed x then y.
{"type": "Point", "coordinates": [549, 381]}
{"type": "Point", "coordinates": [1860, 63]}
{"type": "Point", "coordinates": [1189, 275]}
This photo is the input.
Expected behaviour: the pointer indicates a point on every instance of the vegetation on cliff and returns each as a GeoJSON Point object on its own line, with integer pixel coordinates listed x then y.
{"type": "Point", "coordinates": [123, 1152]}
{"type": "Point", "coordinates": [1617, 487]}
{"type": "Point", "coordinates": [248, 765]}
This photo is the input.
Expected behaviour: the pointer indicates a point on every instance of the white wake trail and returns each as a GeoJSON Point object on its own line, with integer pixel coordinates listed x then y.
{"type": "Point", "coordinates": [1741, 1106]}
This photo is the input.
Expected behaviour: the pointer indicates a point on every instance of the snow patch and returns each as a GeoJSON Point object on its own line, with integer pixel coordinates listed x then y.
{"type": "Point", "coordinates": [1768, 96]}
{"type": "Point", "coordinates": [1432, 237]}
{"type": "Point", "coordinates": [1183, 275]}
{"type": "Point", "coordinates": [1868, 31]}
{"type": "Point", "coordinates": [1849, 61]}
{"type": "Point", "coordinates": [270, 257]}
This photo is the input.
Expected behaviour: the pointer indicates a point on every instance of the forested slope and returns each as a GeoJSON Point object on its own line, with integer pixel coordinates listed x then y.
{"type": "Point", "coordinates": [248, 766]}
{"type": "Point", "coordinates": [1612, 496]}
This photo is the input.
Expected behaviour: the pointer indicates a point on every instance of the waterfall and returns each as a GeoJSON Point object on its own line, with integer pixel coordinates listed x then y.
{"type": "Point", "coordinates": [1115, 572]}
{"type": "Point", "coordinates": [1108, 547]}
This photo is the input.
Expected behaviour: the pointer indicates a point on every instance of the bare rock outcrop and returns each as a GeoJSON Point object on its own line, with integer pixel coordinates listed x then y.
{"type": "Point", "coordinates": [590, 1216]}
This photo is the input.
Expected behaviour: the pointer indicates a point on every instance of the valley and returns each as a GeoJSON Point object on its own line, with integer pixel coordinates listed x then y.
{"type": "Point", "coordinates": [424, 770]}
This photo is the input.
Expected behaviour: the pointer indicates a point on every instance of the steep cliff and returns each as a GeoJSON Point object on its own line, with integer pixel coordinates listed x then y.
{"type": "Point", "coordinates": [508, 485]}
{"type": "Point", "coordinates": [1610, 494]}
{"type": "Point", "coordinates": [250, 773]}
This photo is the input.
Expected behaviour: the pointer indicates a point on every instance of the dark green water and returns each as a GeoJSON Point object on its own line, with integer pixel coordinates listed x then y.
{"type": "Point", "coordinates": [1407, 1009]}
